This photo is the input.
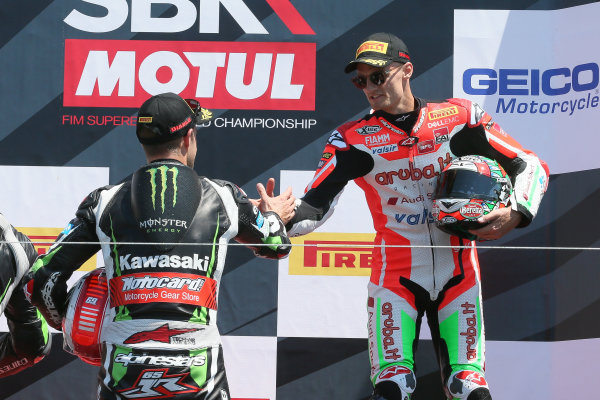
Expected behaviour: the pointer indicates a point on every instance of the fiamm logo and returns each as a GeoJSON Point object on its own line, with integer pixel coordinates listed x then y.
{"type": "Point", "coordinates": [333, 254]}
{"type": "Point", "coordinates": [161, 174]}
{"type": "Point", "coordinates": [42, 239]}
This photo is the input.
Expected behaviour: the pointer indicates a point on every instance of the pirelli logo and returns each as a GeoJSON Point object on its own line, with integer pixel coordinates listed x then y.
{"type": "Point", "coordinates": [334, 254]}
{"type": "Point", "coordinates": [372, 45]}
{"type": "Point", "coordinates": [444, 112]}
{"type": "Point", "coordinates": [42, 239]}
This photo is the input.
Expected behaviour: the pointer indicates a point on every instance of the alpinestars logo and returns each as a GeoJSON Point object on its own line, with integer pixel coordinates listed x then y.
{"type": "Point", "coordinates": [336, 140]}
{"type": "Point", "coordinates": [163, 172]}
{"type": "Point", "coordinates": [156, 384]}
{"type": "Point", "coordinates": [162, 334]}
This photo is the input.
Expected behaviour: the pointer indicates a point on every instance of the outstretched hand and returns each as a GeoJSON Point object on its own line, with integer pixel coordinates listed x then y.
{"type": "Point", "coordinates": [284, 204]}
{"type": "Point", "coordinates": [499, 223]}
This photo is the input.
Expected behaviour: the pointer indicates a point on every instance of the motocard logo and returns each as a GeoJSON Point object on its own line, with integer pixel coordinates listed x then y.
{"type": "Point", "coordinates": [334, 254]}
{"type": "Point", "coordinates": [222, 75]}
{"type": "Point", "coordinates": [163, 288]}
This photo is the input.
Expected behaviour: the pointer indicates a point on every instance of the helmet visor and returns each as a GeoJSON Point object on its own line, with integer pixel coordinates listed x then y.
{"type": "Point", "coordinates": [462, 184]}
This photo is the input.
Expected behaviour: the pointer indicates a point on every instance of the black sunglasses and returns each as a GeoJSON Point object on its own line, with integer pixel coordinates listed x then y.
{"type": "Point", "coordinates": [202, 114]}
{"type": "Point", "coordinates": [378, 78]}
{"type": "Point", "coordinates": [194, 105]}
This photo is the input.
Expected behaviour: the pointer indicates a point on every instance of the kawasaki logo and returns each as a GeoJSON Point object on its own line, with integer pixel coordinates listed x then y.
{"type": "Point", "coordinates": [164, 261]}
{"type": "Point", "coordinates": [163, 171]}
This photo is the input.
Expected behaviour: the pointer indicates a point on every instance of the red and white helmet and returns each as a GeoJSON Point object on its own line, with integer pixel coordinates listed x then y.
{"type": "Point", "coordinates": [468, 188]}
{"type": "Point", "coordinates": [82, 324]}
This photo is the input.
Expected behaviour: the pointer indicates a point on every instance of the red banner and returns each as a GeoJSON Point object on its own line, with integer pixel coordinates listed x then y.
{"type": "Point", "coordinates": [163, 288]}
{"type": "Point", "coordinates": [221, 75]}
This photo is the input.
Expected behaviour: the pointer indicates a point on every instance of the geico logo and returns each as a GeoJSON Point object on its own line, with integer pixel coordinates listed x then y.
{"type": "Point", "coordinates": [413, 173]}
{"type": "Point", "coordinates": [343, 254]}
{"type": "Point", "coordinates": [524, 82]}
{"type": "Point", "coordinates": [208, 12]}
{"type": "Point", "coordinates": [164, 361]}
{"type": "Point", "coordinates": [235, 75]}
{"type": "Point", "coordinates": [149, 282]}
{"type": "Point", "coordinates": [127, 262]}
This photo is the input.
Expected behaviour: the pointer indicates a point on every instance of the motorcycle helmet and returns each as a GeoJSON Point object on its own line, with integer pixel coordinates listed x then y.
{"type": "Point", "coordinates": [468, 188]}
{"type": "Point", "coordinates": [82, 324]}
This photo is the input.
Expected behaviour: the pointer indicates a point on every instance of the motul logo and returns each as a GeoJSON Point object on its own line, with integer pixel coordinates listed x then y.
{"type": "Point", "coordinates": [222, 75]}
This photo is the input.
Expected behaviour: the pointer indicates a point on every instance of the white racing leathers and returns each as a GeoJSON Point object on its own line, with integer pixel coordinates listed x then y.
{"type": "Point", "coordinates": [396, 160]}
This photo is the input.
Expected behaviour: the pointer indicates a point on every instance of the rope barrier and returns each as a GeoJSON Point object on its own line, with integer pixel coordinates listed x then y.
{"type": "Point", "coordinates": [329, 245]}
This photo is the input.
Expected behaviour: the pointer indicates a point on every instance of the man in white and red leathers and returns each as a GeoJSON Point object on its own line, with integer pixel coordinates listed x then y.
{"type": "Point", "coordinates": [395, 155]}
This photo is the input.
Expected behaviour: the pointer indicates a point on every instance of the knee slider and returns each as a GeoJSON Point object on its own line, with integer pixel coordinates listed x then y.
{"type": "Point", "coordinates": [468, 385]}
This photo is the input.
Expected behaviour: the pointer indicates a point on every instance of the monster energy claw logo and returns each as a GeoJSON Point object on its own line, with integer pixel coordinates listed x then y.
{"type": "Point", "coordinates": [163, 170]}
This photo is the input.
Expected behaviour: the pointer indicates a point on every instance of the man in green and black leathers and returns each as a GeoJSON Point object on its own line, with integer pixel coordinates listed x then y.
{"type": "Point", "coordinates": [28, 339]}
{"type": "Point", "coordinates": [164, 236]}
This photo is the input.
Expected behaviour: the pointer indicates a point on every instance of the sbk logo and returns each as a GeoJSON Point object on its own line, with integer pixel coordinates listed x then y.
{"type": "Point", "coordinates": [157, 384]}
{"type": "Point", "coordinates": [142, 20]}
{"type": "Point", "coordinates": [226, 75]}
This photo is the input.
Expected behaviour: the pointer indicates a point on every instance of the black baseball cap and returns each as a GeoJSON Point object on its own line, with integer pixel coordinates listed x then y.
{"type": "Point", "coordinates": [379, 49]}
{"type": "Point", "coordinates": [169, 116]}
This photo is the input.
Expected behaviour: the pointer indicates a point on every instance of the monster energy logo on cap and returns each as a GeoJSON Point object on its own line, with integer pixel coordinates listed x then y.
{"type": "Point", "coordinates": [163, 171]}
